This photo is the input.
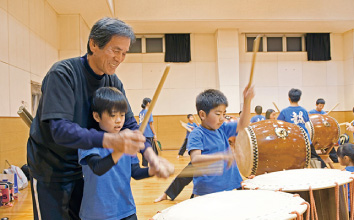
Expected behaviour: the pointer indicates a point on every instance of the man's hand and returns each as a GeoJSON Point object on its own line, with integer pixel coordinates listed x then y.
{"type": "Point", "coordinates": [126, 141]}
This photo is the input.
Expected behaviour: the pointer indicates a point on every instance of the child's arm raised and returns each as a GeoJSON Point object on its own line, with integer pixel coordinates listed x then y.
{"type": "Point", "coordinates": [245, 118]}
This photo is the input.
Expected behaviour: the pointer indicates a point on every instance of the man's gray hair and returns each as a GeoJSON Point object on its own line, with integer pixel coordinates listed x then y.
{"type": "Point", "coordinates": [104, 29]}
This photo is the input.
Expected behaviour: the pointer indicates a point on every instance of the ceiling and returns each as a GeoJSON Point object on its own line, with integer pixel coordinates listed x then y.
{"type": "Point", "coordinates": [92, 10]}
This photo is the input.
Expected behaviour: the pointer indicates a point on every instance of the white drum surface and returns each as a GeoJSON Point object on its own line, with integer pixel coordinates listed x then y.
{"type": "Point", "coordinates": [299, 180]}
{"type": "Point", "coordinates": [237, 204]}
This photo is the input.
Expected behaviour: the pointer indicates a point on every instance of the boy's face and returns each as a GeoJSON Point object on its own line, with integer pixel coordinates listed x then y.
{"type": "Point", "coordinates": [110, 123]}
{"type": "Point", "coordinates": [191, 119]}
{"type": "Point", "coordinates": [319, 107]}
{"type": "Point", "coordinates": [215, 118]}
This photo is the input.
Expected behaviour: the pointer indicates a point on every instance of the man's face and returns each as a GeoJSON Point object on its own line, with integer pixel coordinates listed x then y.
{"type": "Point", "coordinates": [319, 107]}
{"type": "Point", "coordinates": [107, 59]}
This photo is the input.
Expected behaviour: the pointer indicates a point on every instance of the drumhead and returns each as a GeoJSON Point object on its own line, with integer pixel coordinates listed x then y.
{"type": "Point", "coordinates": [299, 180]}
{"type": "Point", "coordinates": [246, 150]}
{"type": "Point", "coordinates": [241, 204]}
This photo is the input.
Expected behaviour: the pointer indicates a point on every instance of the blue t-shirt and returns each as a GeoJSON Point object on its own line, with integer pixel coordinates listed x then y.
{"type": "Point", "coordinates": [148, 131]}
{"type": "Point", "coordinates": [194, 125]}
{"type": "Point", "coordinates": [296, 115]}
{"type": "Point", "coordinates": [210, 142]}
{"type": "Point", "coordinates": [314, 111]}
{"type": "Point", "coordinates": [108, 196]}
{"type": "Point", "coordinates": [257, 118]}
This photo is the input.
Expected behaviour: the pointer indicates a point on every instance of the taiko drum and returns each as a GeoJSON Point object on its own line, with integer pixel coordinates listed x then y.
{"type": "Point", "coordinates": [271, 145]}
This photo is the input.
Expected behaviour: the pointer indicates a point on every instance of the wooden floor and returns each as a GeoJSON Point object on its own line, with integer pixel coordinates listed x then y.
{"type": "Point", "coordinates": [144, 191]}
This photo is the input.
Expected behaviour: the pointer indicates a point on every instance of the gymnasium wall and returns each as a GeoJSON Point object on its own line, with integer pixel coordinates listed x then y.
{"type": "Point", "coordinates": [28, 47]}
{"type": "Point", "coordinates": [277, 72]}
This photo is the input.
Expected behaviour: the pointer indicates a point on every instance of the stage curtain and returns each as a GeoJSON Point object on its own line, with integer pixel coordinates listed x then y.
{"type": "Point", "coordinates": [178, 48]}
{"type": "Point", "coordinates": [318, 46]}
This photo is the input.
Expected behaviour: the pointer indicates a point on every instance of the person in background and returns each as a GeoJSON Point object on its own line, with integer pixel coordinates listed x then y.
{"type": "Point", "coordinates": [298, 115]}
{"type": "Point", "coordinates": [270, 114]}
{"type": "Point", "coordinates": [149, 132]}
{"type": "Point", "coordinates": [259, 116]}
{"type": "Point", "coordinates": [191, 124]}
{"type": "Point", "coordinates": [320, 103]}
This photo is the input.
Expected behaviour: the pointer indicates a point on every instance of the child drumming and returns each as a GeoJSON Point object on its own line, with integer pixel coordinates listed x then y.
{"type": "Point", "coordinates": [319, 107]}
{"type": "Point", "coordinates": [209, 142]}
{"type": "Point", "coordinates": [107, 193]}
{"type": "Point", "coordinates": [191, 125]}
{"type": "Point", "coordinates": [319, 110]}
{"type": "Point", "coordinates": [259, 116]}
{"type": "Point", "coordinates": [149, 132]}
{"type": "Point", "coordinates": [345, 154]}
{"type": "Point", "coordinates": [298, 115]}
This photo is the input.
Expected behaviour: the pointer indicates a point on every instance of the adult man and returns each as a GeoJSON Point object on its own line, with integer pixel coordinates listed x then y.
{"type": "Point", "coordinates": [64, 123]}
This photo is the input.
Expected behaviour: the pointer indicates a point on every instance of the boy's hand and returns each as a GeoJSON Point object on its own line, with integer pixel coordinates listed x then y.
{"type": "Point", "coordinates": [161, 167]}
{"type": "Point", "coordinates": [248, 93]}
{"type": "Point", "coordinates": [126, 141]}
{"type": "Point", "coordinates": [229, 158]}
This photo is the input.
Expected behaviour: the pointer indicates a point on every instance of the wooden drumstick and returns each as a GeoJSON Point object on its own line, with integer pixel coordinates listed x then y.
{"type": "Point", "coordinates": [154, 99]}
{"type": "Point", "coordinates": [275, 105]}
{"type": "Point", "coordinates": [197, 119]}
{"type": "Point", "coordinates": [203, 169]}
{"type": "Point", "coordinates": [344, 123]}
{"type": "Point", "coordinates": [255, 50]}
{"type": "Point", "coordinates": [333, 108]}
{"type": "Point", "coordinates": [186, 126]}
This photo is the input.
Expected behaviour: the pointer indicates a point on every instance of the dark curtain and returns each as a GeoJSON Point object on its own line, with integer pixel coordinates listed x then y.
{"type": "Point", "coordinates": [178, 48]}
{"type": "Point", "coordinates": [318, 46]}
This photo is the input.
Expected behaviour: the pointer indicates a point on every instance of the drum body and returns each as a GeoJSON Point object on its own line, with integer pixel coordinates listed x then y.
{"type": "Point", "coordinates": [324, 131]}
{"type": "Point", "coordinates": [237, 204]}
{"type": "Point", "coordinates": [316, 186]}
{"type": "Point", "coordinates": [271, 145]}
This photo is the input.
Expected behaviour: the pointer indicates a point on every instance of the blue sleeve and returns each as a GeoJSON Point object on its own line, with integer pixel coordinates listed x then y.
{"type": "Point", "coordinates": [195, 141]}
{"type": "Point", "coordinates": [253, 119]}
{"type": "Point", "coordinates": [130, 123]}
{"type": "Point", "coordinates": [139, 173]}
{"type": "Point", "coordinates": [281, 116]}
{"type": "Point", "coordinates": [195, 125]}
{"type": "Point", "coordinates": [229, 128]}
{"type": "Point", "coordinates": [84, 153]}
{"type": "Point", "coordinates": [70, 134]}
{"type": "Point", "coordinates": [151, 119]}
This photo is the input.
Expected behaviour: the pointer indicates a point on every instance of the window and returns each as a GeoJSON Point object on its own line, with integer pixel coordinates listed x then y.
{"type": "Point", "coordinates": [277, 42]}
{"type": "Point", "coordinates": [274, 44]}
{"type": "Point", "coordinates": [148, 44]}
{"type": "Point", "coordinates": [136, 46]}
{"type": "Point", "coordinates": [293, 44]}
{"type": "Point", "coordinates": [154, 45]}
{"type": "Point", "coordinates": [250, 41]}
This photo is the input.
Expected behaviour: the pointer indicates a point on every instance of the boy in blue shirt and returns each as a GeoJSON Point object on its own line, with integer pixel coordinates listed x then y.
{"type": "Point", "coordinates": [259, 116]}
{"type": "Point", "coordinates": [107, 173]}
{"type": "Point", "coordinates": [319, 107]}
{"type": "Point", "coordinates": [191, 125]}
{"type": "Point", "coordinates": [208, 143]}
{"type": "Point", "coordinates": [319, 110]}
{"type": "Point", "coordinates": [298, 115]}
